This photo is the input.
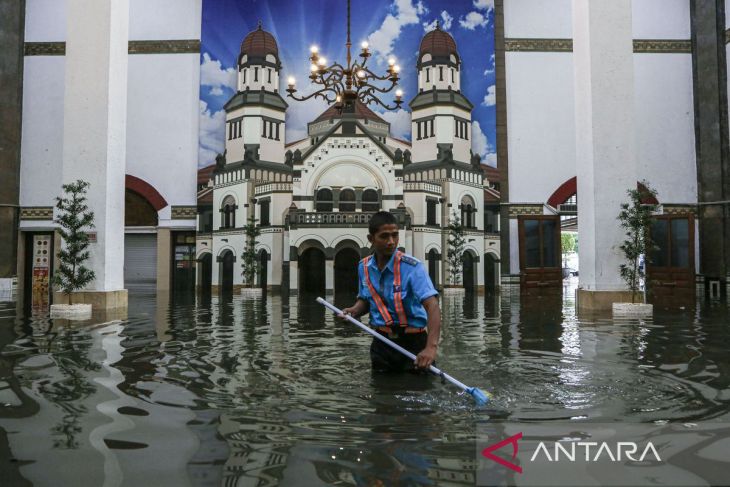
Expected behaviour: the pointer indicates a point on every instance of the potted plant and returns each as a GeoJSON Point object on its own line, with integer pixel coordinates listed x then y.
{"type": "Point", "coordinates": [455, 255]}
{"type": "Point", "coordinates": [249, 261]}
{"type": "Point", "coordinates": [74, 219]}
{"type": "Point", "coordinates": [567, 244]}
{"type": "Point", "coordinates": [635, 219]}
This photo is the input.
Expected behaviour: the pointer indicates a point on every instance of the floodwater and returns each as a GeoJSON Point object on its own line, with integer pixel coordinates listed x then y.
{"type": "Point", "coordinates": [221, 391]}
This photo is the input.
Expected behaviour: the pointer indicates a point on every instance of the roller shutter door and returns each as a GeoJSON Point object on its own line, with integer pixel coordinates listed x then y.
{"type": "Point", "coordinates": [140, 262]}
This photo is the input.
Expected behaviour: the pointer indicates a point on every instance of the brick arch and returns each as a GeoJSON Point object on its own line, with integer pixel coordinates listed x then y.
{"type": "Point", "coordinates": [570, 187]}
{"type": "Point", "coordinates": [146, 190]}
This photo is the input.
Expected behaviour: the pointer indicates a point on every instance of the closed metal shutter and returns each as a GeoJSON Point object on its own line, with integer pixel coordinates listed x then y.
{"type": "Point", "coordinates": [140, 262]}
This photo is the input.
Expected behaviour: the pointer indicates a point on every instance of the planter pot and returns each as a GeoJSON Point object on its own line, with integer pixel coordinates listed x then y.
{"type": "Point", "coordinates": [71, 311]}
{"type": "Point", "coordinates": [633, 310]}
{"type": "Point", "coordinates": [453, 291]}
{"type": "Point", "coordinates": [251, 292]}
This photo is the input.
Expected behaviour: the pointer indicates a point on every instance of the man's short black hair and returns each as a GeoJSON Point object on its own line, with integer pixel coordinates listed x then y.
{"type": "Point", "coordinates": [379, 219]}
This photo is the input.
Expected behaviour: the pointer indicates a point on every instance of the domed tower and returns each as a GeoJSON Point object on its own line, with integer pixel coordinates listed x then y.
{"type": "Point", "coordinates": [255, 114]}
{"type": "Point", "coordinates": [438, 62]}
{"type": "Point", "coordinates": [258, 63]}
{"type": "Point", "coordinates": [441, 114]}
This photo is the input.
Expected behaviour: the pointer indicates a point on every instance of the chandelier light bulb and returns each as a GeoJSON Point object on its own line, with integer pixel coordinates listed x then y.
{"type": "Point", "coordinates": [313, 67]}
{"type": "Point", "coordinates": [391, 61]}
{"type": "Point", "coordinates": [339, 98]}
{"type": "Point", "coordinates": [291, 80]}
{"type": "Point", "coordinates": [361, 73]}
{"type": "Point", "coordinates": [322, 61]}
{"type": "Point", "coordinates": [364, 44]}
{"type": "Point", "coordinates": [314, 49]}
{"type": "Point", "coordinates": [399, 93]}
{"type": "Point", "coordinates": [396, 68]}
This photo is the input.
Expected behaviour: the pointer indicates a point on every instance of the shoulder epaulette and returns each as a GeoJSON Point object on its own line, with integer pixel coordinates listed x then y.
{"type": "Point", "coordinates": [408, 259]}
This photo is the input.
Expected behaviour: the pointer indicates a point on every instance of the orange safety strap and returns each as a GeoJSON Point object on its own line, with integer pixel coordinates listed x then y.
{"type": "Point", "coordinates": [397, 291]}
{"type": "Point", "coordinates": [403, 321]}
{"type": "Point", "coordinates": [376, 297]}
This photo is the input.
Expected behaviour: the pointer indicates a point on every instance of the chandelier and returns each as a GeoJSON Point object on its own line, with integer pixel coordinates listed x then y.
{"type": "Point", "coordinates": [345, 85]}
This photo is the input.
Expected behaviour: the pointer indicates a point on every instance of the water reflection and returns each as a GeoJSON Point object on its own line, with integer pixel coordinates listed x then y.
{"type": "Point", "coordinates": [208, 390]}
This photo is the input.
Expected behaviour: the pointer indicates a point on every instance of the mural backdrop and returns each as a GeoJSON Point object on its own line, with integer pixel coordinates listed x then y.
{"type": "Point", "coordinates": [392, 28]}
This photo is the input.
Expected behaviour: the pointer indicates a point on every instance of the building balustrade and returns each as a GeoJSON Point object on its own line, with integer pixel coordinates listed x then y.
{"type": "Point", "coordinates": [422, 186]}
{"type": "Point", "coordinates": [335, 218]}
{"type": "Point", "coordinates": [271, 187]}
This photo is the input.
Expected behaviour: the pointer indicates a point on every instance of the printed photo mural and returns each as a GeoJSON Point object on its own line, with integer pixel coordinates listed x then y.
{"type": "Point", "coordinates": [392, 29]}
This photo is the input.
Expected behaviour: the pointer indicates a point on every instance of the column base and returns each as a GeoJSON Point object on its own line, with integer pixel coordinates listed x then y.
{"type": "Point", "coordinates": [601, 300]}
{"type": "Point", "coordinates": [99, 300]}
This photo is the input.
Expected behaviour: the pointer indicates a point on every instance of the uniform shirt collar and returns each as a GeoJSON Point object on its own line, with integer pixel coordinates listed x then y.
{"type": "Point", "coordinates": [389, 265]}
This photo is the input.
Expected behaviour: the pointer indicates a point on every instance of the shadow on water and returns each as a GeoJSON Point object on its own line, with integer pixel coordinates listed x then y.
{"type": "Point", "coordinates": [222, 390]}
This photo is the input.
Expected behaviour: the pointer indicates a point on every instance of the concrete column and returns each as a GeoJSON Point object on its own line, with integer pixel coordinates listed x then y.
{"type": "Point", "coordinates": [605, 154]}
{"type": "Point", "coordinates": [293, 275]}
{"type": "Point", "coordinates": [94, 138]}
{"type": "Point", "coordinates": [329, 275]}
{"type": "Point", "coordinates": [709, 63]}
{"type": "Point", "coordinates": [164, 259]}
{"type": "Point", "coordinates": [12, 28]}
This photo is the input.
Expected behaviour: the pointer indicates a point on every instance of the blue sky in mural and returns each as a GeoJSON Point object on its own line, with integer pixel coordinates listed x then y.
{"type": "Point", "coordinates": [392, 27]}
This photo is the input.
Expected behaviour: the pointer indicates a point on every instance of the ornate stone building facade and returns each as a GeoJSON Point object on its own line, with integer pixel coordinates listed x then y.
{"type": "Point", "coordinates": [312, 199]}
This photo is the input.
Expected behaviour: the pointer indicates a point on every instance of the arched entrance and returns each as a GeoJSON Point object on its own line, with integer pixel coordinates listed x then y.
{"type": "Point", "coordinates": [312, 271]}
{"type": "Point", "coordinates": [467, 276]}
{"type": "Point", "coordinates": [206, 271]}
{"type": "Point", "coordinates": [226, 260]}
{"type": "Point", "coordinates": [433, 266]}
{"type": "Point", "coordinates": [346, 262]}
{"type": "Point", "coordinates": [262, 272]}
{"type": "Point", "coordinates": [491, 278]}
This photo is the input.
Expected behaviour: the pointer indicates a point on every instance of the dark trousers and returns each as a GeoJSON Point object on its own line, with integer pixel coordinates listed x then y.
{"type": "Point", "coordinates": [387, 359]}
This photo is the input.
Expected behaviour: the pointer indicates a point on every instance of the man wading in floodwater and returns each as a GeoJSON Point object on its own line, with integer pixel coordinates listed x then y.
{"type": "Point", "coordinates": [395, 288]}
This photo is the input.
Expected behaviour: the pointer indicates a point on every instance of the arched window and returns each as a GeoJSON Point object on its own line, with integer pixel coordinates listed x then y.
{"type": "Point", "coordinates": [468, 209]}
{"type": "Point", "coordinates": [324, 200]}
{"type": "Point", "coordinates": [370, 200]}
{"type": "Point", "coordinates": [347, 200]}
{"type": "Point", "coordinates": [228, 212]}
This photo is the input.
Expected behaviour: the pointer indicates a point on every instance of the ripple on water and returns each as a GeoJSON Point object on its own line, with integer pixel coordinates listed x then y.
{"type": "Point", "coordinates": [277, 382]}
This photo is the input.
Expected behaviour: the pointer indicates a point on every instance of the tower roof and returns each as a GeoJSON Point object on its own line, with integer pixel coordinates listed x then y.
{"type": "Point", "coordinates": [259, 44]}
{"type": "Point", "coordinates": [360, 111]}
{"type": "Point", "coordinates": [439, 44]}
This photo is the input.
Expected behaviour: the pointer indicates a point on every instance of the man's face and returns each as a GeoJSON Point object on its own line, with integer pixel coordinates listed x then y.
{"type": "Point", "coordinates": [385, 240]}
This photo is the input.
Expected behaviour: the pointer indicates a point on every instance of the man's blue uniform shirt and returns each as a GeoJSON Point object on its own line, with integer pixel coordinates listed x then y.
{"type": "Point", "coordinates": [415, 283]}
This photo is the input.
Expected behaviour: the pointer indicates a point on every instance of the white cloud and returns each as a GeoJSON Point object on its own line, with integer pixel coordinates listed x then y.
{"type": "Point", "coordinates": [212, 74]}
{"type": "Point", "coordinates": [473, 20]}
{"type": "Point", "coordinates": [400, 123]}
{"type": "Point", "coordinates": [490, 99]}
{"type": "Point", "coordinates": [446, 21]}
{"type": "Point", "coordinates": [299, 114]}
{"type": "Point", "coordinates": [479, 143]}
{"type": "Point", "coordinates": [490, 69]}
{"type": "Point", "coordinates": [484, 4]}
{"type": "Point", "coordinates": [491, 159]}
{"type": "Point", "coordinates": [212, 134]}
{"type": "Point", "coordinates": [406, 13]}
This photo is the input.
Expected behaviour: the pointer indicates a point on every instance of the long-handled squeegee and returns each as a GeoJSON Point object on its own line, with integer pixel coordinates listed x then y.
{"type": "Point", "coordinates": [479, 396]}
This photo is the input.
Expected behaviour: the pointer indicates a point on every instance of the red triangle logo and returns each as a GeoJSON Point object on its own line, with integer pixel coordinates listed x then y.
{"type": "Point", "coordinates": [487, 452]}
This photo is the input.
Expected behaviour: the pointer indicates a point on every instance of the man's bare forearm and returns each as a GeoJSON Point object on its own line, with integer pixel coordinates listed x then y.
{"type": "Point", "coordinates": [359, 308]}
{"type": "Point", "coordinates": [434, 321]}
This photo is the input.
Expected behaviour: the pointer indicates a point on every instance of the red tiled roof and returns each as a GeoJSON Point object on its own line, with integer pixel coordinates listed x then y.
{"type": "Point", "coordinates": [438, 43]}
{"type": "Point", "coordinates": [492, 173]}
{"type": "Point", "coordinates": [259, 43]}
{"type": "Point", "coordinates": [205, 196]}
{"type": "Point", "coordinates": [361, 111]}
{"type": "Point", "coordinates": [205, 173]}
{"type": "Point", "coordinates": [491, 195]}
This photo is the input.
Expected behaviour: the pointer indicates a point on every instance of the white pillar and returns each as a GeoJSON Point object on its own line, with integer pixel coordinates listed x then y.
{"type": "Point", "coordinates": [605, 153]}
{"type": "Point", "coordinates": [94, 125]}
{"type": "Point", "coordinates": [293, 275]}
{"type": "Point", "coordinates": [329, 275]}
